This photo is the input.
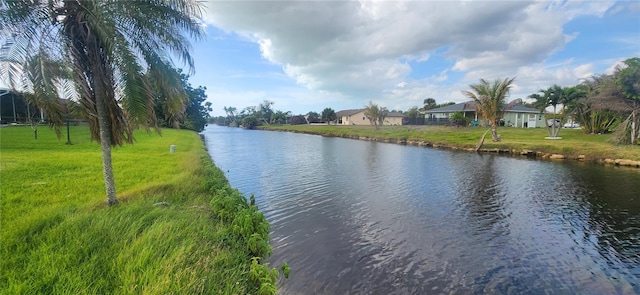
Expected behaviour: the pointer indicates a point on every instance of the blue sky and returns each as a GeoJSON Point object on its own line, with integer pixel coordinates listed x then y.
{"type": "Point", "coordinates": [308, 55]}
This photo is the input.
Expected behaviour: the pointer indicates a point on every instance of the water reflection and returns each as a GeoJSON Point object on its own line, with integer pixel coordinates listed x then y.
{"type": "Point", "coordinates": [613, 216]}
{"type": "Point", "coordinates": [372, 218]}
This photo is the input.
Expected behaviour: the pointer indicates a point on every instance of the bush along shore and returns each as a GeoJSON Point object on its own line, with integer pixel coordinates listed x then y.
{"type": "Point", "coordinates": [180, 228]}
{"type": "Point", "coordinates": [521, 142]}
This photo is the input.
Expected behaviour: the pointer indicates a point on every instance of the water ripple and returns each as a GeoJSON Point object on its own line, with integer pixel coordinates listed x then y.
{"type": "Point", "coordinates": [354, 217]}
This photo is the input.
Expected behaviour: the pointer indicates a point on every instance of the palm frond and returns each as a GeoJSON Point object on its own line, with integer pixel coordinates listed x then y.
{"type": "Point", "coordinates": [169, 86]}
{"type": "Point", "coordinates": [109, 46]}
{"type": "Point", "coordinates": [44, 74]}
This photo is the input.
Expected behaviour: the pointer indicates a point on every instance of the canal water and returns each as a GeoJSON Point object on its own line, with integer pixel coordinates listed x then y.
{"type": "Point", "coordinates": [359, 217]}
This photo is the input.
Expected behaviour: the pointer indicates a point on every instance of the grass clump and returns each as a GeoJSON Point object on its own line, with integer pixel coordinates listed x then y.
{"type": "Point", "coordinates": [166, 237]}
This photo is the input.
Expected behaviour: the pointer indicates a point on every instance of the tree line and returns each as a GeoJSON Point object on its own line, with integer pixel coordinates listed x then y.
{"type": "Point", "coordinates": [601, 104]}
{"type": "Point", "coordinates": [264, 114]}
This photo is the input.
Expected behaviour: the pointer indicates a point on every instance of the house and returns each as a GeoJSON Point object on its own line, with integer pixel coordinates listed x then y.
{"type": "Point", "coordinates": [357, 117]}
{"type": "Point", "coordinates": [443, 113]}
{"type": "Point", "coordinates": [523, 117]}
{"type": "Point", "coordinates": [515, 116]}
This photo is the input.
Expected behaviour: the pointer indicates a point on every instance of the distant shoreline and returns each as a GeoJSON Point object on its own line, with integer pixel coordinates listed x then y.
{"type": "Point", "coordinates": [449, 138]}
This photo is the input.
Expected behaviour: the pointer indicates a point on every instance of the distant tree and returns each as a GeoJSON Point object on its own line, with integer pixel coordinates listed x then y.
{"type": "Point", "coordinates": [298, 120]}
{"type": "Point", "coordinates": [196, 110]}
{"type": "Point", "coordinates": [375, 114]}
{"type": "Point", "coordinates": [412, 113]}
{"type": "Point", "coordinates": [490, 100]}
{"type": "Point", "coordinates": [595, 108]}
{"type": "Point", "coordinates": [219, 120]}
{"type": "Point", "coordinates": [554, 96]}
{"type": "Point", "coordinates": [429, 103]}
{"type": "Point", "coordinates": [279, 117]}
{"type": "Point", "coordinates": [231, 115]}
{"type": "Point", "coordinates": [264, 111]}
{"type": "Point", "coordinates": [250, 122]}
{"type": "Point", "coordinates": [248, 111]}
{"type": "Point", "coordinates": [627, 77]}
{"type": "Point", "coordinates": [312, 117]}
{"type": "Point", "coordinates": [328, 115]}
{"type": "Point", "coordinates": [25, 111]}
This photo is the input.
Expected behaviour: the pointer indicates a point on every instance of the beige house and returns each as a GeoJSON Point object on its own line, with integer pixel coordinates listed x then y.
{"type": "Point", "coordinates": [357, 117]}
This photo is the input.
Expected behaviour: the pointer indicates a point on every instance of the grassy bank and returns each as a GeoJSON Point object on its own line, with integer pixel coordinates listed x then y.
{"type": "Point", "coordinates": [176, 230]}
{"type": "Point", "coordinates": [573, 143]}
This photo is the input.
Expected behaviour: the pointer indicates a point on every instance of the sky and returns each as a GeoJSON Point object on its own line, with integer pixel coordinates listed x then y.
{"type": "Point", "coordinates": [311, 55]}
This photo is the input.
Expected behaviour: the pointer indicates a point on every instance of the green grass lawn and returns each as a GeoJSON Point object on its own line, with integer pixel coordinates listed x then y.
{"type": "Point", "coordinates": [58, 236]}
{"type": "Point", "coordinates": [573, 143]}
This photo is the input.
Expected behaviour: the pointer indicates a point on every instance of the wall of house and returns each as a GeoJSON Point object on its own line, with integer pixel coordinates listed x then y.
{"type": "Point", "coordinates": [355, 119]}
{"type": "Point", "coordinates": [519, 119]}
{"type": "Point", "coordinates": [393, 121]}
{"type": "Point", "coordinates": [343, 120]}
{"type": "Point", "coordinates": [437, 115]}
{"type": "Point", "coordinates": [512, 119]}
{"type": "Point", "coordinates": [361, 119]}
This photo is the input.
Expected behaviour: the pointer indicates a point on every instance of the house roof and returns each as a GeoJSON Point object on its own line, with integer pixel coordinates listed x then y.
{"type": "Point", "coordinates": [353, 112]}
{"type": "Point", "coordinates": [470, 106]}
{"type": "Point", "coordinates": [522, 109]}
{"type": "Point", "coordinates": [467, 106]}
{"type": "Point", "coordinates": [348, 112]}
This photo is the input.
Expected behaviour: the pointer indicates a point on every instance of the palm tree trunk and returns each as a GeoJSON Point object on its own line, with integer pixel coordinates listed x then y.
{"type": "Point", "coordinates": [633, 124]}
{"type": "Point", "coordinates": [105, 146]}
{"type": "Point", "coordinates": [554, 132]}
{"type": "Point", "coordinates": [104, 123]}
{"type": "Point", "coordinates": [494, 132]}
{"type": "Point", "coordinates": [481, 142]}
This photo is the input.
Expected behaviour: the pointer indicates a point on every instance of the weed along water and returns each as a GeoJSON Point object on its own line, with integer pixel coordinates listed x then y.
{"type": "Point", "coordinates": [359, 217]}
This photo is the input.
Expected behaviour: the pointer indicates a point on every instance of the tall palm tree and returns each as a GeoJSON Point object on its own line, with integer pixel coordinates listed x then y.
{"type": "Point", "coordinates": [112, 50]}
{"type": "Point", "coordinates": [490, 100]}
{"type": "Point", "coordinates": [375, 114]}
{"type": "Point", "coordinates": [429, 103]}
{"type": "Point", "coordinates": [555, 96]}
{"type": "Point", "coordinates": [628, 79]}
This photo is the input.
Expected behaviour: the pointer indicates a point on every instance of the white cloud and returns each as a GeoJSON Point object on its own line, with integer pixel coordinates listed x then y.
{"type": "Point", "coordinates": [364, 49]}
{"type": "Point", "coordinates": [610, 70]}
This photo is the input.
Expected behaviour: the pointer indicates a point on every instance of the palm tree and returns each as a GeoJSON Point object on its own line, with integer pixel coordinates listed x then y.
{"type": "Point", "coordinates": [112, 51]}
{"type": "Point", "coordinates": [628, 79]}
{"type": "Point", "coordinates": [375, 114]}
{"type": "Point", "coordinates": [555, 96]}
{"type": "Point", "coordinates": [490, 100]}
{"type": "Point", "coordinates": [428, 103]}
{"type": "Point", "coordinates": [231, 114]}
